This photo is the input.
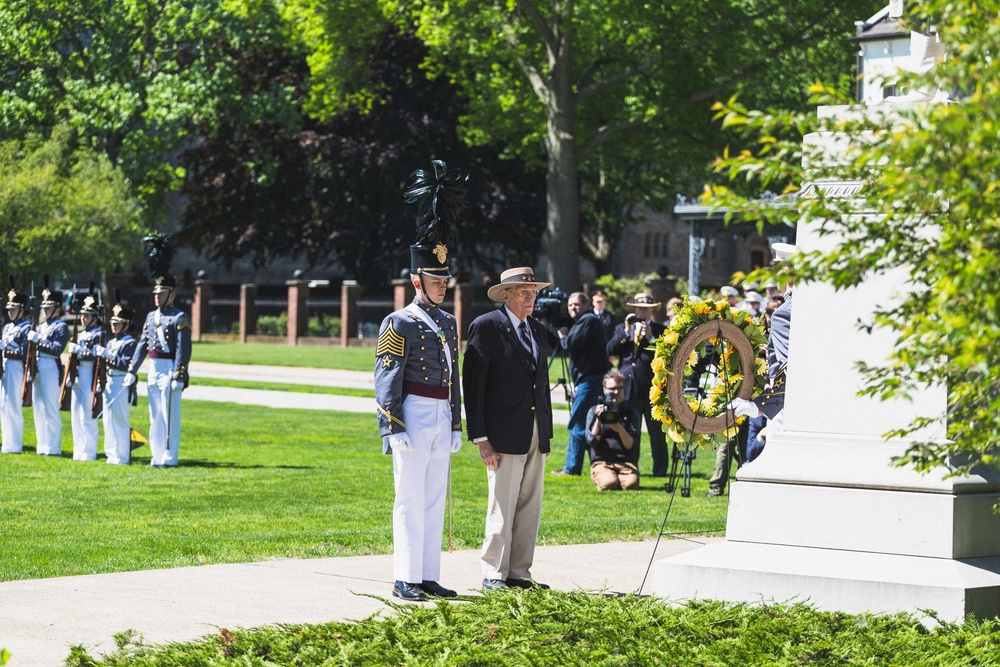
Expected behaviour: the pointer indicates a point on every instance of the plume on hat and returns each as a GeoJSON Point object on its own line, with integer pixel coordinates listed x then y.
{"type": "Point", "coordinates": [159, 254]}
{"type": "Point", "coordinates": [440, 196]}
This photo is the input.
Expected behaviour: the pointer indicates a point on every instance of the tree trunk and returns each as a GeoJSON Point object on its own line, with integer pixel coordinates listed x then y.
{"type": "Point", "coordinates": [562, 178]}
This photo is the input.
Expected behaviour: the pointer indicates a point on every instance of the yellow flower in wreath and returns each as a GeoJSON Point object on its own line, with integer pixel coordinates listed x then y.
{"type": "Point", "coordinates": [670, 338]}
{"type": "Point", "coordinates": [721, 305]}
{"type": "Point", "coordinates": [654, 393]}
{"type": "Point", "coordinates": [658, 364]}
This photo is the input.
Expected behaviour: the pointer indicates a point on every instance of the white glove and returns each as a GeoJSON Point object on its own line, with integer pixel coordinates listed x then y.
{"type": "Point", "coordinates": [741, 407]}
{"type": "Point", "coordinates": [176, 385]}
{"type": "Point", "coordinates": [33, 336]}
{"type": "Point", "coordinates": [456, 441]}
{"type": "Point", "coordinates": [73, 348]}
{"type": "Point", "coordinates": [400, 441]}
{"type": "Point", "coordinates": [101, 351]}
{"type": "Point", "coordinates": [129, 380]}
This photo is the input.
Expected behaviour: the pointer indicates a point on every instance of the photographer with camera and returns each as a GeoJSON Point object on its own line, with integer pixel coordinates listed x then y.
{"type": "Point", "coordinates": [614, 429]}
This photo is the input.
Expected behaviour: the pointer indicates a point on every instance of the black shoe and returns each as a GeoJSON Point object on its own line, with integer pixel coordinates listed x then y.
{"type": "Point", "coordinates": [493, 584]}
{"type": "Point", "coordinates": [526, 583]}
{"type": "Point", "coordinates": [410, 592]}
{"type": "Point", "coordinates": [436, 589]}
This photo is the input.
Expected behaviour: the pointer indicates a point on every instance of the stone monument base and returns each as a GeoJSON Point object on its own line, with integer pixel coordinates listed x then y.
{"type": "Point", "coordinates": [833, 580]}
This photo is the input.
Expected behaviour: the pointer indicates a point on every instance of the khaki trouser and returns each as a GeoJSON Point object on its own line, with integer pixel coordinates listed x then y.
{"type": "Point", "coordinates": [614, 476]}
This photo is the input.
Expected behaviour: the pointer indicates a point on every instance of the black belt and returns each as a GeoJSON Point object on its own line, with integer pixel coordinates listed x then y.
{"type": "Point", "coordinates": [156, 354]}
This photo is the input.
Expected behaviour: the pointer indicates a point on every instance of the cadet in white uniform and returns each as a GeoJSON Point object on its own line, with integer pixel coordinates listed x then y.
{"type": "Point", "coordinates": [166, 338]}
{"type": "Point", "coordinates": [85, 428]}
{"type": "Point", "coordinates": [417, 390]}
{"type": "Point", "coordinates": [118, 399]}
{"type": "Point", "coordinates": [15, 344]}
{"type": "Point", "coordinates": [50, 340]}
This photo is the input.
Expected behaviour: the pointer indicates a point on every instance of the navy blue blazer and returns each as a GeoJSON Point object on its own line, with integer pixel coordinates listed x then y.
{"type": "Point", "coordinates": [503, 397]}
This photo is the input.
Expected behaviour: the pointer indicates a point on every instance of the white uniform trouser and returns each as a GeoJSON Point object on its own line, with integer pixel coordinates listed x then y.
{"type": "Point", "coordinates": [117, 409]}
{"type": "Point", "coordinates": [163, 402]}
{"type": "Point", "coordinates": [84, 426]}
{"type": "Point", "coordinates": [11, 416]}
{"type": "Point", "coordinates": [513, 513]}
{"type": "Point", "coordinates": [421, 477]}
{"type": "Point", "coordinates": [45, 399]}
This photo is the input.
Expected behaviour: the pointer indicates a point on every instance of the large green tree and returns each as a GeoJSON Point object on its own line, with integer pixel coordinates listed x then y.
{"type": "Point", "coordinates": [600, 92]}
{"type": "Point", "coordinates": [131, 77]}
{"type": "Point", "coordinates": [928, 205]}
{"type": "Point", "coordinates": [63, 210]}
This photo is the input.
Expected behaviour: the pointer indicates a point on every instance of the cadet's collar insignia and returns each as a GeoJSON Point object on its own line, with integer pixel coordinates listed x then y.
{"type": "Point", "coordinates": [441, 251]}
{"type": "Point", "coordinates": [387, 362]}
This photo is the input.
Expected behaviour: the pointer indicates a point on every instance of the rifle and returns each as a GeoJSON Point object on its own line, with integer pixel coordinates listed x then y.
{"type": "Point", "coordinates": [97, 401]}
{"type": "Point", "coordinates": [69, 377]}
{"type": "Point", "coordinates": [30, 354]}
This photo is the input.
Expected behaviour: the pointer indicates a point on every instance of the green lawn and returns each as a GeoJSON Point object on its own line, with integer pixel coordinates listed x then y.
{"type": "Point", "coordinates": [300, 356]}
{"type": "Point", "coordinates": [257, 483]}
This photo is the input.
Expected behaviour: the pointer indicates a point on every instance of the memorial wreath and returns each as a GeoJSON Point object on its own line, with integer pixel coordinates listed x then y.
{"type": "Point", "coordinates": [733, 366]}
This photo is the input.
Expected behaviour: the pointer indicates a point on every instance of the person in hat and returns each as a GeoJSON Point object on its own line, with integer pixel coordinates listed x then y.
{"type": "Point", "coordinates": [731, 293]}
{"type": "Point", "coordinates": [599, 302]}
{"type": "Point", "coordinates": [508, 414]}
{"type": "Point", "coordinates": [587, 345]}
{"type": "Point", "coordinates": [418, 393]}
{"type": "Point", "coordinates": [166, 339]}
{"type": "Point", "coordinates": [118, 399]}
{"type": "Point", "coordinates": [15, 346]}
{"type": "Point", "coordinates": [50, 340]}
{"type": "Point", "coordinates": [84, 425]}
{"type": "Point", "coordinates": [631, 342]}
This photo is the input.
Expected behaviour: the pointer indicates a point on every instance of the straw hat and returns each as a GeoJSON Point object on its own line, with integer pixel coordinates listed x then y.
{"type": "Point", "coordinates": [643, 300]}
{"type": "Point", "coordinates": [522, 275]}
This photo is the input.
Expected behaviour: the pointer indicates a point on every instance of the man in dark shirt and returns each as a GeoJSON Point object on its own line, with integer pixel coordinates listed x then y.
{"type": "Point", "coordinates": [588, 362]}
{"type": "Point", "coordinates": [613, 431]}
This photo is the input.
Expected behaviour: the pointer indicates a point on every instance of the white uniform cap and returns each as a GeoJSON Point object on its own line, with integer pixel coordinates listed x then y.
{"type": "Point", "coordinates": [783, 250]}
{"type": "Point", "coordinates": [729, 290]}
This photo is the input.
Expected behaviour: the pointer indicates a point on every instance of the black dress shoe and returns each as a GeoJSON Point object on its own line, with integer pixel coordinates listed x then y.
{"type": "Point", "coordinates": [493, 584]}
{"type": "Point", "coordinates": [436, 589]}
{"type": "Point", "coordinates": [410, 592]}
{"type": "Point", "coordinates": [526, 583]}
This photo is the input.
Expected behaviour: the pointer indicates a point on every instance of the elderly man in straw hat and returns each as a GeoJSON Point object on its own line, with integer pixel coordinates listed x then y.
{"type": "Point", "coordinates": [509, 417]}
{"type": "Point", "coordinates": [631, 343]}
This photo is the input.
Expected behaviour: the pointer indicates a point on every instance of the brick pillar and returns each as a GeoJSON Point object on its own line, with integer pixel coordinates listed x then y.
{"type": "Point", "coordinates": [463, 309]}
{"type": "Point", "coordinates": [298, 310]}
{"type": "Point", "coordinates": [402, 293]}
{"type": "Point", "coordinates": [349, 292]}
{"type": "Point", "coordinates": [248, 311]}
{"type": "Point", "coordinates": [201, 309]}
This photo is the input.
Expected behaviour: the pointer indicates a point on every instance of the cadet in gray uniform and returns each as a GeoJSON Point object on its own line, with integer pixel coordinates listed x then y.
{"type": "Point", "coordinates": [118, 400]}
{"type": "Point", "coordinates": [166, 338]}
{"type": "Point", "coordinates": [417, 391]}
{"type": "Point", "coordinates": [15, 344]}
{"type": "Point", "coordinates": [50, 341]}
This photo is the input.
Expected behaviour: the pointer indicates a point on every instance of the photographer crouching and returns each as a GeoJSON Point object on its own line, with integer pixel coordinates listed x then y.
{"type": "Point", "coordinates": [614, 429]}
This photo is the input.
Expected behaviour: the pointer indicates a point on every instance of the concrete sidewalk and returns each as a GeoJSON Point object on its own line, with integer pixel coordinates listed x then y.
{"type": "Point", "coordinates": [41, 619]}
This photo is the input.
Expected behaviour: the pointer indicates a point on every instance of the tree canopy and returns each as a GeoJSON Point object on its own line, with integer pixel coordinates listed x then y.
{"type": "Point", "coordinates": [63, 210]}
{"type": "Point", "coordinates": [612, 96]}
{"type": "Point", "coordinates": [928, 205]}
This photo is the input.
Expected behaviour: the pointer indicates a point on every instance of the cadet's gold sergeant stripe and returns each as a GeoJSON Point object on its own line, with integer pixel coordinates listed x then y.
{"type": "Point", "coordinates": [390, 342]}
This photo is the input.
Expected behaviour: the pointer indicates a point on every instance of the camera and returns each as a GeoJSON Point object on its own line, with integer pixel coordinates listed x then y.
{"type": "Point", "coordinates": [551, 306]}
{"type": "Point", "coordinates": [610, 414]}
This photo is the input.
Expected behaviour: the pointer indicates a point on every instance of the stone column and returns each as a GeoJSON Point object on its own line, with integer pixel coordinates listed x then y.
{"type": "Point", "coordinates": [201, 309]}
{"type": "Point", "coordinates": [248, 311]}
{"type": "Point", "coordinates": [349, 292]}
{"type": "Point", "coordinates": [463, 309]}
{"type": "Point", "coordinates": [402, 293]}
{"type": "Point", "coordinates": [298, 310]}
